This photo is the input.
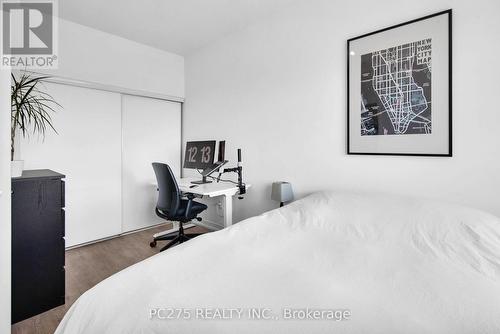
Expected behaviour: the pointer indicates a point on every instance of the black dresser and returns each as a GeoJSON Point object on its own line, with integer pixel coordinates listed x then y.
{"type": "Point", "coordinates": [37, 243]}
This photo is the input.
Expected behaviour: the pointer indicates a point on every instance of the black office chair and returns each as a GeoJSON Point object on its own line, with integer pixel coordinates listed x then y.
{"type": "Point", "coordinates": [171, 206]}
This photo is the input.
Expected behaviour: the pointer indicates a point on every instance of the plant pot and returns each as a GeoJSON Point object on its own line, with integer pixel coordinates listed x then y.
{"type": "Point", "coordinates": [16, 168]}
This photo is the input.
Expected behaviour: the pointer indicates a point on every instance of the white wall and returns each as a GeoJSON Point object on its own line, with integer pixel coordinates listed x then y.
{"type": "Point", "coordinates": [5, 250]}
{"type": "Point", "coordinates": [278, 90]}
{"type": "Point", "coordinates": [92, 55]}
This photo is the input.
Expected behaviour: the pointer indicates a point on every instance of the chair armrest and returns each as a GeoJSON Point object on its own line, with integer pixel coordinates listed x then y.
{"type": "Point", "coordinates": [190, 197]}
{"type": "Point", "coordinates": [188, 194]}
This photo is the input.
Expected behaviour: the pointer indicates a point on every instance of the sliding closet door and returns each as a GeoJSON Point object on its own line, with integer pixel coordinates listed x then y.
{"type": "Point", "coordinates": [87, 149]}
{"type": "Point", "coordinates": [151, 132]}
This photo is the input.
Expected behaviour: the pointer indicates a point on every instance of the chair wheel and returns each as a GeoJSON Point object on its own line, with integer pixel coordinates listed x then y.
{"type": "Point", "coordinates": [152, 244]}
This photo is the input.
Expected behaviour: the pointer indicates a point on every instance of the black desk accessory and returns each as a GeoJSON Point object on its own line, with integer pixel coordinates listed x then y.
{"type": "Point", "coordinates": [238, 169]}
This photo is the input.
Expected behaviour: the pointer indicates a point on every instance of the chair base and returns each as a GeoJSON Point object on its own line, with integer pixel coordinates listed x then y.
{"type": "Point", "coordinates": [174, 237]}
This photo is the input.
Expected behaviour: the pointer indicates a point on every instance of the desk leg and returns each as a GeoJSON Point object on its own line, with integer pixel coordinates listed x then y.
{"type": "Point", "coordinates": [228, 210]}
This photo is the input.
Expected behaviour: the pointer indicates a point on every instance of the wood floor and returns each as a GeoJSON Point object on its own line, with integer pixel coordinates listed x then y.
{"type": "Point", "coordinates": [88, 265]}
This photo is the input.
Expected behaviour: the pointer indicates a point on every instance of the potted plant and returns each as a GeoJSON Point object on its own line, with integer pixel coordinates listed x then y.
{"type": "Point", "coordinates": [31, 110]}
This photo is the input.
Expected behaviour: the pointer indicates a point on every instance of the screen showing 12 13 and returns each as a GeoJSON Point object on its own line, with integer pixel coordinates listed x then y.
{"type": "Point", "coordinates": [199, 154]}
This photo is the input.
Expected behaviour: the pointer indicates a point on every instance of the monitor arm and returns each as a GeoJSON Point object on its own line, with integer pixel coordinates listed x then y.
{"type": "Point", "coordinates": [239, 170]}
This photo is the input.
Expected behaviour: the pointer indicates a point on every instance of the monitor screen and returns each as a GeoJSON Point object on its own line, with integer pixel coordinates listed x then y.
{"type": "Point", "coordinates": [199, 154]}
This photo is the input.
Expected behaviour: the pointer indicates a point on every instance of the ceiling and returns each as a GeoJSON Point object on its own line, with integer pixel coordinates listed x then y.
{"type": "Point", "coordinates": [178, 26]}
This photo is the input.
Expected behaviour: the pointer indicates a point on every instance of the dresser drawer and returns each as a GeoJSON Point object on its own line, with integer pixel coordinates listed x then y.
{"type": "Point", "coordinates": [38, 244]}
{"type": "Point", "coordinates": [63, 193]}
{"type": "Point", "coordinates": [63, 222]}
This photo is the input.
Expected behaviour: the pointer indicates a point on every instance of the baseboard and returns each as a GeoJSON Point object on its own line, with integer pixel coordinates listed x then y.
{"type": "Point", "coordinates": [213, 226]}
{"type": "Point", "coordinates": [116, 236]}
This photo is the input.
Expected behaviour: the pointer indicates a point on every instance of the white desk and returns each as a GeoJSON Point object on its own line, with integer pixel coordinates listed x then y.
{"type": "Point", "coordinates": [225, 190]}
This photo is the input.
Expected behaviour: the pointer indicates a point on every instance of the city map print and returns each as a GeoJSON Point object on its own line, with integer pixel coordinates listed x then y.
{"type": "Point", "coordinates": [396, 90]}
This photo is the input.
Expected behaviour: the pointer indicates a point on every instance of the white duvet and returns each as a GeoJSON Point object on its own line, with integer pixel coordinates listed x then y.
{"type": "Point", "coordinates": [394, 265]}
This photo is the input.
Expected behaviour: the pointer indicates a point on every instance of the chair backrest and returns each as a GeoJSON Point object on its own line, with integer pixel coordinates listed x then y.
{"type": "Point", "coordinates": [169, 196]}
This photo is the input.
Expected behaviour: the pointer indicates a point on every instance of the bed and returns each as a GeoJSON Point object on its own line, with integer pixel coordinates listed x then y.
{"type": "Point", "coordinates": [380, 264]}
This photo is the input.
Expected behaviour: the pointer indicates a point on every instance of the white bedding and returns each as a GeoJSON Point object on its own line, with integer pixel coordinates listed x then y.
{"type": "Point", "coordinates": [397, 265]}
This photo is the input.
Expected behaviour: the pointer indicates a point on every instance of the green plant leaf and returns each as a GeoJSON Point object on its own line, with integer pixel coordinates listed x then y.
{"type": "Point", "coordinates": [31, 107]}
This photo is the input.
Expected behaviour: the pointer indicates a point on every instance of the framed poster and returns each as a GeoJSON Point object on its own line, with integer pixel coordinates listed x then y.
{"type": "Point", "coordinates": [399, 89]}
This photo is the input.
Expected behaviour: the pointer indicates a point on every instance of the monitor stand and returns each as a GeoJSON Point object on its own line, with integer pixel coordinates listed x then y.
{"type": "Point", "coordinates": [209, 170]}
{"type": "Point", "coordinates": [202, 181]}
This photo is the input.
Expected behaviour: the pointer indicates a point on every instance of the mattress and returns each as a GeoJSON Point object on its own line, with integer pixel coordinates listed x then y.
{"type": "Point", "coordinates": [328, 263]}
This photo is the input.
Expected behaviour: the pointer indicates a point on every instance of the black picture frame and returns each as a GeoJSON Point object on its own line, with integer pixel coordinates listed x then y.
{"type": "Point", "coordinates": [447, 12]}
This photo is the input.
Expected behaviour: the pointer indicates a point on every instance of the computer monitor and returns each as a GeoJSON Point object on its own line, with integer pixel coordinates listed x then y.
{"type": "Point", "coordinates": [199, 154]}
{"type": "Point", "coordinates": [222, 150]}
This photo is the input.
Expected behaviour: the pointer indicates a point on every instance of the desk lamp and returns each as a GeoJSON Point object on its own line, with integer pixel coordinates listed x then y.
{"type": "Point", "coordinates": [282, 192]}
